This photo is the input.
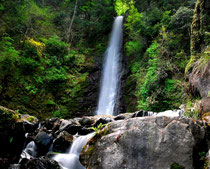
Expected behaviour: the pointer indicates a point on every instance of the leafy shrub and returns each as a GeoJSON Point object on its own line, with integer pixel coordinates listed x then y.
{"type": "Point", "coordinates": [9, 56]}
{"type": "Point", "coordinates": [28, 65]}
{"type": "Point", "coordinates": [134, 47]}
{"type": "Point", "coordinates": [63, 112]}
{"type": "Point", "coordinates": [56, 47]}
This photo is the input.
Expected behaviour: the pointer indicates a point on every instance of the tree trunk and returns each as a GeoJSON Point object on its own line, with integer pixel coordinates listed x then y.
{"type": "Point", "coordinates": [71, 23]}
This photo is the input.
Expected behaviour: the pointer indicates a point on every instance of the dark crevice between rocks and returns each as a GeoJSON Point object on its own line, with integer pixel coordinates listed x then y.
{"type": "Point", "coordinates": [199, 152]}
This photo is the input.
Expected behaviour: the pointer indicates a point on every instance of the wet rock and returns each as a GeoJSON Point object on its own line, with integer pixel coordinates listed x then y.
{"type": "Point", "coordinates": [146, 142]}
{"type": "Point", "coordinates": [18, 139]}
{"type": "Point", "coordinates": [43, 142]}
{"type": "Point", "coordinates": [86, 121]}
{"type": "Point", "coordinates": [52, 123]}
{"type": "Point", "coordinates": [39, 163]}
{"type": "Point", "coordinates": [62, 142]}
{"type": "Point", "coordinates": [142, 113]}
{"type": "Point", "coordinates": [85, 131]}
{"type": "Point", "coordinates": [124, 116]}
{"type": "Point", "coordinates": [103, 120]}
{"type": "Point", "coordinates": [72, 127]}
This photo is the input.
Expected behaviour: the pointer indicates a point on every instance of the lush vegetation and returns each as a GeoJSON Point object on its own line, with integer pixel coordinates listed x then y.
{"type": "Point", "coordinates": [49, 48]}
{"type": "Point", "coordinates": [158, 50]}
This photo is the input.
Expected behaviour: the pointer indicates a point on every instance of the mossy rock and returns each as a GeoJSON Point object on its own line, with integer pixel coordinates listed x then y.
{"type": "Point", "coordinates": [29, 118]}
{"type": "Point", "coordinates": [7, 117]}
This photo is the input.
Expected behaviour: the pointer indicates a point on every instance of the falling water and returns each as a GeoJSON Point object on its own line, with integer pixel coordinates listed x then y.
{"type": "Point", "coordinates": [29, 151]}
{"type": "Point", "coordinates": [71, 160]}
{"type": "Point", "coordinates": [110, 74]}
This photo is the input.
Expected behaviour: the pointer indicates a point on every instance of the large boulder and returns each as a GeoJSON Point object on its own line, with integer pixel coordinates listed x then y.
{"type": "Point", "coordinates": [199, 79]}
{"type": "Point", "coordinates": [147, 142]}
{"type": "Point", "coordinates": [43, 142]}
{"type": "Point", "coordinates": [63, 142]}
{"type": "Point", "coordinates": [13, 127]}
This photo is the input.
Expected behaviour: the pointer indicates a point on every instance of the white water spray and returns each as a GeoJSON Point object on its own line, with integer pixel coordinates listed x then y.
{"type": "Point", "coordinates": [71, 160]}
{"type": "Point", "coordinates": [110, 74]}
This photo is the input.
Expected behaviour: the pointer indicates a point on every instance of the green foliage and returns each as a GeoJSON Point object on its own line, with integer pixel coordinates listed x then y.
{"type": "Point", "coordinates": [56, 47]}
{"type": "Point", "coordinates": [9, 56]}
{"type": "Point", "coordinates": [43, 75]}
{"type": "Point", "coordinates": [152, 81]}
{"type": "Point", "coordinates": [98, 128]}
{"type": "Point", "coordinates": [133, 47]}
{"type": "Point", "coordinates": [121, 7]}
{"type": "Point", "coordinates": [191, 111]}
{"type": "Point", "coordinates": [176, 166]}
{"type": "Point", "coordinates": [10, 139]}
{"type": "Point", "coordinates": [151, 78]}
{"type": "Point", "coordinates": [182, 19]}
{"type": "Point", "coordinates": [181, 60]}
{"type": "Point", "coordinates": [63, 112]}
{"type": "Point", "coordinates": [40, 73]}
{"type": "Point", "coordinates": [174, 94]}
{"type": "Point", "coordinates": [158, 52]}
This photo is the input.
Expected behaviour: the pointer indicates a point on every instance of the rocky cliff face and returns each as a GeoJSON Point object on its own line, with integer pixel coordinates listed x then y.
{"type": "Point", "coordinates": [148, 142]}
{"type": "Point", "coordinates": [198, 69]}
{"type": "Point", "coordinates": [199, 79]}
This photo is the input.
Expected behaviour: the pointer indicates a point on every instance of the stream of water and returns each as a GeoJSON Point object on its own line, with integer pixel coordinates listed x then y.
{"type": "Point", "coordinates": [71, 159]}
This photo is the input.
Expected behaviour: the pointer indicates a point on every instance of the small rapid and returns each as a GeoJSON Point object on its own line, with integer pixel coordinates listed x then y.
{"type": "Point", "coordinates": [71, 160]}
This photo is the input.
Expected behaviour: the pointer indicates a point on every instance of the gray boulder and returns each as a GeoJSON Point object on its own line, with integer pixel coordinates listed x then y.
{"type": "Point", "coordinates": [146, 143]}
{"type": "Point", "coordinates": [199, 79]}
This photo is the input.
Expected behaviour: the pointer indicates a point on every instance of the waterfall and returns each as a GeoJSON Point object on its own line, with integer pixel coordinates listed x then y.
{"type": "Point", "coordinates": [71, 160]}
{"type": "Point", "coordinates": [111, 70]}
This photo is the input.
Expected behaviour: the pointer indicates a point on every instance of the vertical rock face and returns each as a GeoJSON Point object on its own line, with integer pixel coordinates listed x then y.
{"type": "Point", "coordinates": [199, 79]}
{"type": "Point", "coordinates": [198, 69]}
{"type": "Point", "coordinates": [151, 142]}
{"type": "Point", "coordinates": [200, 30]}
